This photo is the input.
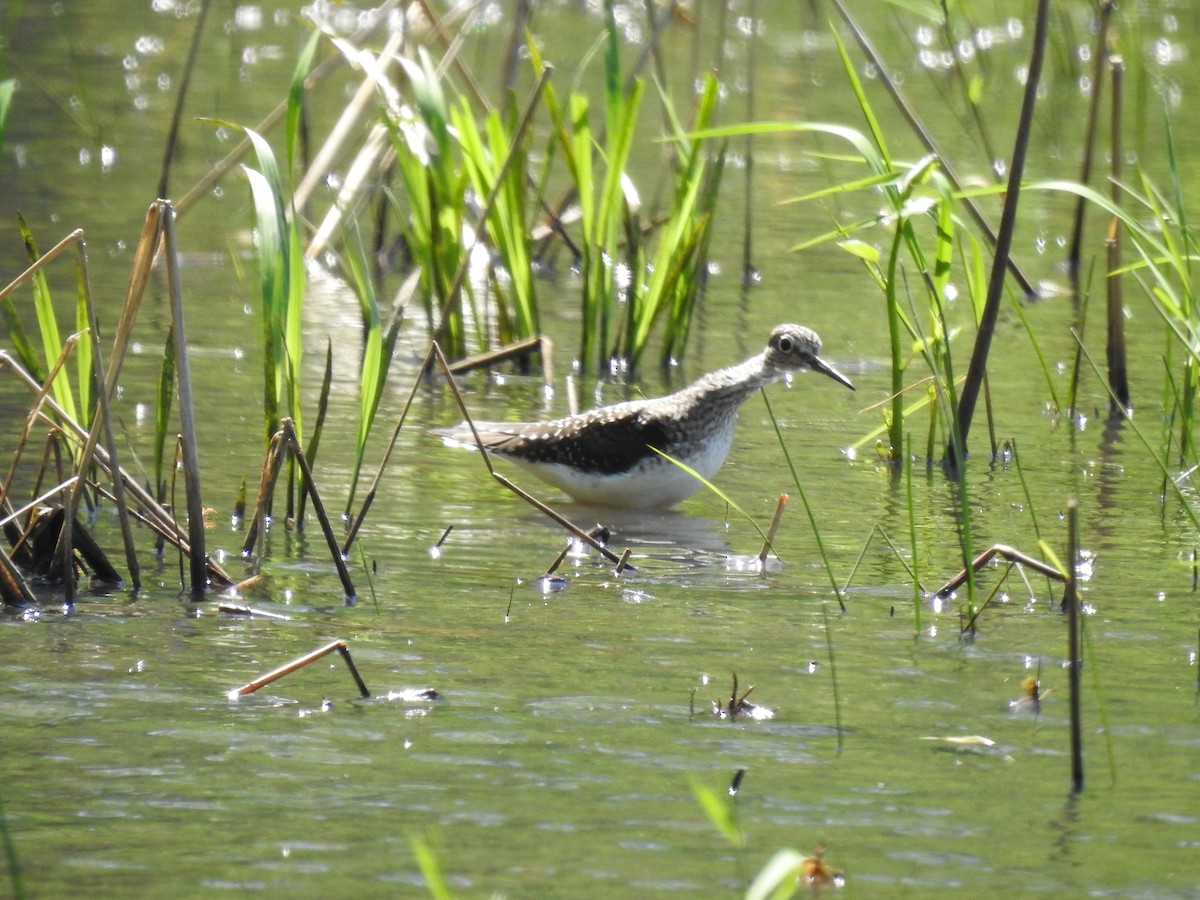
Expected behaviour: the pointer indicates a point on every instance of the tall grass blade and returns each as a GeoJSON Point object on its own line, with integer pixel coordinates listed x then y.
{"type": "Point", "coordinates": [833, 682]}
{"type": "Point", "coordinates": [8, 88]}
{"type": "Point", "coordinates": [812, 519]}
{"type": "Point", "coordinates": [162, 412]}
{"type": "Point", "coordinates": [86, 372]}
{"type": "Point", "coordinates": [295, 101]}
{"type": "Point", "coordinates": [431, 869]}
{"type": "Point", "coordinates": [52, 344]}
{"type": "Point", "coordinates": [373, 370]}
{"type": "Point", "coordinates": [721, 811]}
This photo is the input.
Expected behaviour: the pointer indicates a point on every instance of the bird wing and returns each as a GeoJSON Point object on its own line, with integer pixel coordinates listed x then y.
{"type": "Point", "coordinates": [606, 441]}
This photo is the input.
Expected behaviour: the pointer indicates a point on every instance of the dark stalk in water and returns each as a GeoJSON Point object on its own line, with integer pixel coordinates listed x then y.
{"type": "Point", "coordinates": [956, 449]}
{"type": "Point", "coordinates": [14, 590]}
{"type": "Point", "coordinates": [285, 442]}
{"type": "Point", "coordinates": [1074, 656]}
{"type": "Point", "coordinates": [185, 79]}
{"type": "Point", "coordinates": [1121, 403]}
{"type": "Point", "coordinates": [187, 410]}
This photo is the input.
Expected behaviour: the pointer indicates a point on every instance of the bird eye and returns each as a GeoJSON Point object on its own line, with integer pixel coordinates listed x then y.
{"type": "Point", "coordinates": [785, 344]}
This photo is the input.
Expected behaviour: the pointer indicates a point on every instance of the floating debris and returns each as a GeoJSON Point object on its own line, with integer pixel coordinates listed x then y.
{"type": "Point", "coordinates": [413, 695]}
{"type": "Point", "coordinates": [241, 609]}
{"type": "Point", "coordinates": [815, 873]}
{"type": "Point", "coordinates": [963, 740]}
{"type": "Point", "coordinates": [1030, 703]}
{"type": "Point", "coordinates": [740, 706]}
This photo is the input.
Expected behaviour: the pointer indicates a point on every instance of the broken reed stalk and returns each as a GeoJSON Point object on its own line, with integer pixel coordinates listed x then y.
{"type": "Point", "coordinates": [152, 512]}
{"type": "Point", "coordinates": [289, 430]}
{"type": "Point", "coordinates": [317, 171]}
{"type": "Point", "coordinates": [769, 543]}
{"type": "Point", "coordinates": [539, 344]}
{"type": "Point", "coordinates": [1099, 60]}
{"type": "Point", "coordinates": [1121, 403]}
{"type": "Point", "coordinates": [969, 627]}
{"type": "Point", "coordinates": [1074, 656]}
{"type": "Point", "coordinates": [100, 421]}
{"type": "Point", "coordinates": [956, 447]}
{"type": "Point", "coordinates": [285, 441]}
{"type": "Point", "coordinates": [537, 504]}
{"type": "Point", "coordinates": [600, 533]}
{"type": "Point", "coordinates": [262, 504]}
{"type": "Point", "coordinates": [35, 412]}
{"type": "Point", "coordinates": [1009, 553]}
{"type": "Point", "coordinates": [187, 412]}
{"type": "Point", "coordinates": [14, 589]}
{"type": "Point", "coordinates": [288, 668]}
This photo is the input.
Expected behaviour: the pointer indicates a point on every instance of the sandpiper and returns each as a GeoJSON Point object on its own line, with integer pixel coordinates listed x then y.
{"type": "Point", "coordinates": [607, 457]}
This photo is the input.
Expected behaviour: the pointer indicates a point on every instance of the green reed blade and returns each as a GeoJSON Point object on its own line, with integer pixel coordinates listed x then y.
{"type": "Point", "coordinates": [295, 100]}
{"type": "Point", "coordinates": [860, 96]}
{"type": "Point", "coordinates": [720, 810]}
{"type": "Point", "coordinates": [376, 355]}
{"type": "Point", "coordinates": [43, 306]}
{"type": "Point", "coordinates": [8, 87]}
{"type": "Point", "coordinates": [272, 285]}
{"type": "Point", "coordinates": [431, 868]}
{"type": "Point", "coordinates": [162, 414]}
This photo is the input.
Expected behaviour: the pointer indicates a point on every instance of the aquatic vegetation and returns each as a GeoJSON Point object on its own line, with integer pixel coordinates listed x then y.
{"type": "Point", "coordinates": [436, 208]}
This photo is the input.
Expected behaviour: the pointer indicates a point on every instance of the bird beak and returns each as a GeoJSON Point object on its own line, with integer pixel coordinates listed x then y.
{"type": "Point", "coordinates": [819, 365]}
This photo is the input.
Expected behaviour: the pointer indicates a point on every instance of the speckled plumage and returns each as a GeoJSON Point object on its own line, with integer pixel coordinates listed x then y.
{"type": "Point", "coordinates": [604, 456]}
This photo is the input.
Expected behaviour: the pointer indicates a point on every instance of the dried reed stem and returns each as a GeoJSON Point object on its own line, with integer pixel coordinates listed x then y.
{"type": "Point", "coordinates": [769, 543]}
{"type": "Point", "coordinates": [299, 663]}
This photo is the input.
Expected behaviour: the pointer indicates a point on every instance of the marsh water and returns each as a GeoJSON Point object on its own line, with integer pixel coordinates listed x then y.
{"type": "Point", "coordinates": [573, 723]}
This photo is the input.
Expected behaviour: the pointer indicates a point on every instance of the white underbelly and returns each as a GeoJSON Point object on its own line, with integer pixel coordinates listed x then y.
{"type": "Point", "coordinates": [654, 483]}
